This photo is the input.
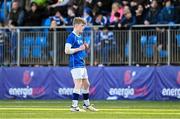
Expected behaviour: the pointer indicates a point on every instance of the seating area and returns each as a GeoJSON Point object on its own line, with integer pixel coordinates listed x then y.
{"type": "Point", "coordinates": [33, 47]}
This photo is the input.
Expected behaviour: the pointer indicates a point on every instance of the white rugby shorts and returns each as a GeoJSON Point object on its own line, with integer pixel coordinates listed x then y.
{"type": "Point", "coordinates": [79, 73]}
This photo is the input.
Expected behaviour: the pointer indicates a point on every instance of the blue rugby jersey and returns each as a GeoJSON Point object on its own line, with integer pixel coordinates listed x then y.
{"type": "Point", "coordinates": [76, 60]}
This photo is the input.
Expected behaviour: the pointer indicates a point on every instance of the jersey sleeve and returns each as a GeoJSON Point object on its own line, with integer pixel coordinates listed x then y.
{"type": "Point", "coordinates": [70, 39]}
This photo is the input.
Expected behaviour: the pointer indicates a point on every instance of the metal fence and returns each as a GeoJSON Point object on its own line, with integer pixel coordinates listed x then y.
{"type": "Point", "coordinates": [140, 45]}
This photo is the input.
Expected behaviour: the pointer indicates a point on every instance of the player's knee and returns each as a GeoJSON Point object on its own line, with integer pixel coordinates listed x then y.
{"type": "Point", "coordinates": [78, 84]}
{"type": "Point", "coordinates": [77, 91]}
{"type": "Point", "coordinates": [84, 91]}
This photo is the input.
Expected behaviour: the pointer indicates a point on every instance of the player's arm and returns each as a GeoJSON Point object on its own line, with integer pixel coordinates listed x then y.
{"type": "Point", "coordinates": [69, 50]}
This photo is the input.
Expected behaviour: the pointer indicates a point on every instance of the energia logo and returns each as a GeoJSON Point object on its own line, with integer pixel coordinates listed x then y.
{"type": "Point", "coordinates": [172, 92]}
{"type": "Point", "coordinates": [125, 92]}
{"type": "Point", "coordinates": [128, 75]}
{"type": "Point", "coordinates": [27, 90]}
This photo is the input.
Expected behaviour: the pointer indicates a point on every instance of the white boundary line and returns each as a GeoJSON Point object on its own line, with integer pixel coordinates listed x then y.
{"type": "Point", "coordinates": [67, 109]}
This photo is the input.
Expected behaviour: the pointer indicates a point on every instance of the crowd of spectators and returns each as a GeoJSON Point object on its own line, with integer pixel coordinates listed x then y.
{"type": "Point", "coordinates": [120, 13]}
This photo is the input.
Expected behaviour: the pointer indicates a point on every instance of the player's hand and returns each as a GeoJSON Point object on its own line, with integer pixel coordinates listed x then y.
{"type": "Point", "coordinates": [86, 45]}
{"type": "Point", "coordinates": [82, 47]}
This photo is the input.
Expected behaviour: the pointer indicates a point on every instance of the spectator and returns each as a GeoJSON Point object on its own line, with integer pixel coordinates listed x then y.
{"type": "Point", "coordinates": [107, 44]}
{"type": "Point", "coordinates": [89, 4]}
{"type": "Point", "coordinates": [53, 25]}
{"type": "Point", "coordinates": [140, 14]}
{"type": "Point", "coordinates": [103, 7]}
{"type": "Point", "coordinates": [59, 19]}
{"type": "Point", "coordinates": [126, 9]}
{"type": "Point", "coordinates": [116, 8]}
{"type": "Point", "coordinates": [71, 15]}
{"type": "Point", "coordinates": [152, 14]}
{"type": "Point", "coordinates": [133, 6]}
{"type": "Point", "coordinates": [116, 20]}
{"type": "Point", "coordinates": [97, 8]}
{"type": "Point", "coordinates": [87, 16]}
{"type": "Point", "coordinates": [50, 39]}
{"type": "Point", "coordinates": [13, 44]}
{"type": "Point", "coordinates": [16, 14]}
{"type": "Point", "coordinates": [128, 20]}
{"type": "Point", "coordinates": [33, 17]}
{"type": "Point", "coordinates": [125, 2]}
{"type": "Point", "coordinates": [101, 20]}
{"type": "Point", "coordinates": [78, 6]}
{"type": "Point", "coordinates": [167, 14]}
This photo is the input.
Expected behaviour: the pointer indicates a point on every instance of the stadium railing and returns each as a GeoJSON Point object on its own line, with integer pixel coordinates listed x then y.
{"type": "Point", "coordinates": [155, 44]}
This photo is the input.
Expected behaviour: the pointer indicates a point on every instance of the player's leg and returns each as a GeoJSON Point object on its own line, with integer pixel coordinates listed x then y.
{"type": "Point", "coordinates": [76, 74]}
{"type": "Point", "coordinates": [76, 92]}
{"type": "Point", "coordinates": [85, 92]}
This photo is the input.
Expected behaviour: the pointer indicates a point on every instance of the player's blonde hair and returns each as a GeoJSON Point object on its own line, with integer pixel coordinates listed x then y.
{"type": "Point", "coordinates": [78, 20]}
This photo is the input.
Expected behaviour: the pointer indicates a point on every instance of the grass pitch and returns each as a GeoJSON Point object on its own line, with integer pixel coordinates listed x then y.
{"type": "Point", "coordinates": [58, 109]}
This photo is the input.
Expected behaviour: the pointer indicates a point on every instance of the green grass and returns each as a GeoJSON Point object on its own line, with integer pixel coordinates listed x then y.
{"type": "Point", "coordinates": [12, 109]}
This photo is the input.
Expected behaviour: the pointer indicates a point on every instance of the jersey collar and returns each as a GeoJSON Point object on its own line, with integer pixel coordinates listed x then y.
{"type": "Point", "coordinates": [76, 34]}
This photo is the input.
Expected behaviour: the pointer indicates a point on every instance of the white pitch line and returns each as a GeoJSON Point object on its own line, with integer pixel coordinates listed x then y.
{"type": "Point", "coordinates": [109, 113]}
{"type": "Point", "coordinates": [19, 106]}
{"type": "Point", "coordinates": [66, 109]}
